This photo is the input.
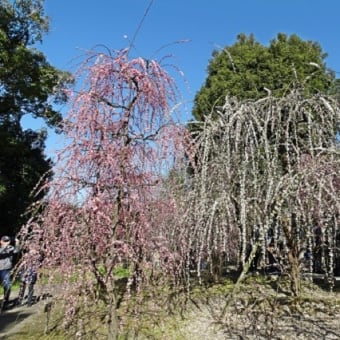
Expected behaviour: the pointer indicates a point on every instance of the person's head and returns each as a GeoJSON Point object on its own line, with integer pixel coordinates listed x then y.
{"type": "Point", "coordinates": [5, 240]}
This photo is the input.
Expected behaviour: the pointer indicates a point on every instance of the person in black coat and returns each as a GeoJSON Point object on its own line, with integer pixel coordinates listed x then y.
{"type": "Point", "coordinates": [7, 252]}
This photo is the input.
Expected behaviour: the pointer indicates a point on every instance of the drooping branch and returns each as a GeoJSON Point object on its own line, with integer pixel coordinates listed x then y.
{"type": "Point", "coordinates": [101, 211]}
{"type": "Point", "coordinates": [271, 170]}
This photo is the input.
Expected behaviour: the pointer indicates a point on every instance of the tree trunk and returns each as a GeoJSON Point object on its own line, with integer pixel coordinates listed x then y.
{"type": "Point", "coordinates": [293, 258]}
{"type": "Point", "coordinates": [112, 325]}
{"type": "Point", "coordinates": [295, 279]}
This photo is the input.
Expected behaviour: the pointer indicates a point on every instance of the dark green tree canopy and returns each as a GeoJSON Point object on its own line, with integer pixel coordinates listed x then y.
{"type": "Point", "coordinates": [27, 80]}
{"type": "Point", "coordinates": [22, 163]}
{"type": "Point", "coordinates": [29, 85]}
{"type": "Point", "coordinates": [249, 70]}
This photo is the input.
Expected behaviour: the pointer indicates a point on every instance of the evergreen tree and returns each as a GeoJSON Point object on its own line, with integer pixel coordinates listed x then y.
{"type": "Point", "coordinates": [249, 70]}
{"type": "Point", "coordinates": [29, 85]}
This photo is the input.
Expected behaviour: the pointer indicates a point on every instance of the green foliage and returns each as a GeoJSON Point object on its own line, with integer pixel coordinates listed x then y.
{"type": "Point", "coordinates": [27, 80]}
{"type": "Point", "coordinates": [29, 85]}
{"type": "Point", "coordinates": [22, 163]}
{"type": "Point", "coordinates": [122, 272]}
{"type": "Point", "coordinates": [336, 89]}
{"type": "Point", "coordinates": [248, 69]}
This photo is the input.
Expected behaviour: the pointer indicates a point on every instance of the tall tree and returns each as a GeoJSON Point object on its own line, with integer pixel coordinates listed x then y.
{"type": "Point", "coordinates": [29, 85]}
{"type": "Point", "coordinates": [103, 211]}
{"type": "Point", "coordinates": [262, 184]}
{"type": "Point", "coordinates": [256, 141]}
{"type": "Point", "coordinates": [248, 70]}
{"type": "Point", "coordinates": [22, 164]}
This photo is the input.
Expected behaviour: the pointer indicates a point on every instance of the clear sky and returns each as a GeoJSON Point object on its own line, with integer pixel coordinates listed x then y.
{"type": "Point", "coordinates": [78, 25]}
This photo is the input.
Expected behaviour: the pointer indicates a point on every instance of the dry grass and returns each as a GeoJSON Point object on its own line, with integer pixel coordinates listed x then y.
{"type": "Point", "coordinates": [262, 309]}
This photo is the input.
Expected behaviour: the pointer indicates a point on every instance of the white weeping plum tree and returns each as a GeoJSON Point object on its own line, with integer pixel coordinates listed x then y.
{"type": "Point", "coordinates": [269, 176]}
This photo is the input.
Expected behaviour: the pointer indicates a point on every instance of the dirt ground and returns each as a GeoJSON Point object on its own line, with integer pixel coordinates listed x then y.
{"type": "Point", "coordinates": [263, 312]}
{"type": "Point", "coordinates": [263, 325]}
{"type": "Point", "coordinates": [258, 311]}
{"type": "Point", "coordinates": [15, 318]}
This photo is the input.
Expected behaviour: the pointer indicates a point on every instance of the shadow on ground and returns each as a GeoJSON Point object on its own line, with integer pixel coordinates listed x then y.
{"type": "Point", "coordinates": [13, 317]}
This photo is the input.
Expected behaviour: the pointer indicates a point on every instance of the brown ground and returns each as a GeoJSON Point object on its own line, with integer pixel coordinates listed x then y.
{"type": "Point", "coordinates": [14, 318]}
{"type": "Point", "coordinates": [258, 311]}
{"type": "Point", "coordinates": [262, 312]}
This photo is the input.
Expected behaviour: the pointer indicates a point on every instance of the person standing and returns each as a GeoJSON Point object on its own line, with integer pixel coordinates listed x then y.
{"type": "Point", "coordinates": [7, 252]}
{"type": "Point", "coordinates": [28, 277]}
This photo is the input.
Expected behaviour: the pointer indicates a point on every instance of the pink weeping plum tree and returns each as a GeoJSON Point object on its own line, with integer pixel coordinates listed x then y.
{"type": "Point", "coordinates": [104, 212]}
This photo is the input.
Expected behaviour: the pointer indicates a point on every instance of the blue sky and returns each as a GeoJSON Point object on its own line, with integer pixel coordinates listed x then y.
{"type": "Point", "coordinates": [78, 25]}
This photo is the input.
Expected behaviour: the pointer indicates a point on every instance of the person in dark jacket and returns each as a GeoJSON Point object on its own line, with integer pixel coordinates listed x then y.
{"type": "Point", "coordinates": [7, 252]}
